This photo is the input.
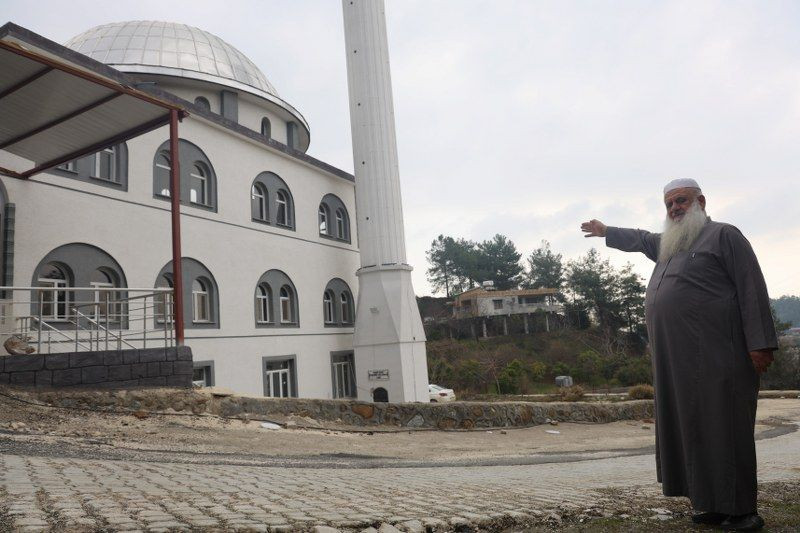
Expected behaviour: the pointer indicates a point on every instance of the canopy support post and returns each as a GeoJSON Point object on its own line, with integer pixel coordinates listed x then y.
{"type": "Point", "coordinates": [175, 201]}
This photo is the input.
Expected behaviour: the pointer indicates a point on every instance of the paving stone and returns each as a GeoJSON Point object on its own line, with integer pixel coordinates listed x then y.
{"type": "Point", "coordinates": [413, 526]}
{"type": "Point", "coordinates": [325, 529]}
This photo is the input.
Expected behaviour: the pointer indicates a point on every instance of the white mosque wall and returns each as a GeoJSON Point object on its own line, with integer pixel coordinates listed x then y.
{"type": "Point", "coordinates": [134, 228]}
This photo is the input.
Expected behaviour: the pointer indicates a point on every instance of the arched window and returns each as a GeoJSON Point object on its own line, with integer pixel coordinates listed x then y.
{"type": "Point", "coordinates": [77, 265]}
{"type": "Point", "coordinates": [337, 227]}
{"type": "Point", "coordinates": [287, 305]}
{"type": "Point", "coordinates": [199, 291]}
{"type": "Point", "coordinates": [55, 298]}
{"type": "Point", "coordinates": [266, 127]}
{"type": "Point", "coordinates": [201, 308]}
{"type": "Point", "coordinates": [105, 165]}
{"type": "Point", "coordinates": [291, 135]}
{"type": "Point", "coordinates": [347, 314]}
{"type": "Point", "coordinates": [276, 301]}
{"type": "Point", "coordinates": [163, 169]}
{"type": "Point", "coordinates": [327, 307]}
{"type": "Point", "coordinates": [323, 219]}
{"type": "Point", "coordinates": [203, 102]}
{"type": "Point", "coordinates": [339, 312]}
{"type": "Point", "coordinates": [340, 229]}
{"type": "Point", "coordinates": [198, 193]}
{"type": "Point", "coordinates": [264, 304]}
{"type": "Point", "coordinates": [284, 216]}
{"type": "Point", "coordinates": [258, 199]}
{"type": "Point", "coordinates": [163, 302]}
{"type": "Point", "coordinates": [278, 207]}
{"type": "Point", "coordinates": [197, 181]}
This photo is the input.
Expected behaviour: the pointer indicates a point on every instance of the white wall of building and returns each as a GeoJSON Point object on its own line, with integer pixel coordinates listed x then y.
{"type": "Point", "coordinates": [134, 228]}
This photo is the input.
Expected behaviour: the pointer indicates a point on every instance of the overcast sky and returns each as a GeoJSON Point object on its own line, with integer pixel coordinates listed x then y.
{"type": "Point", "coordinates": [526, 118]}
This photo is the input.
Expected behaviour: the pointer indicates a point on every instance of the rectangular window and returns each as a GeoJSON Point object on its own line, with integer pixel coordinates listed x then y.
{"type": "Point", "coordinates": [163, 178]}
{"type": "Point", "coordinates": [344, 376]}
{"type": "Point", "coordinates": [263, 309]}
{"type": "Point", "coordinates": [202, 376]}
{"type": "Point", "coordinates": [279, 379]}
{"type": "Point", "coordinates": [55, 300]}
{"type": "Point", "coordinates": [69, 166]}
{"type": "Point", "coordinates": [103, 300]}
{"type": "Point", "coordinates": [286, 310]}
{"type": "Point", "coordinates": [498, 304]}
{"type": "Point", "coordinates": [339, 226]}
{"type": "Point", "coordinates": [197, 194]}
{"type": "Point", "coordinates": [201, 307]}
{"type": "Point", "coordinates": [163, 307]}
{"type": "Point", "coordinates": [105, 165]}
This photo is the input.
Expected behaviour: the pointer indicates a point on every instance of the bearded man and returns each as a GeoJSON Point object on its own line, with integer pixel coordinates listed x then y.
{"type": "Point", "coordinates": [711, 334]}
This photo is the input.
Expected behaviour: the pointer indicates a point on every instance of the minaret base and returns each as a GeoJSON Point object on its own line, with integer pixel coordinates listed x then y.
{"type": "Point", "coordinates": [389, 340]}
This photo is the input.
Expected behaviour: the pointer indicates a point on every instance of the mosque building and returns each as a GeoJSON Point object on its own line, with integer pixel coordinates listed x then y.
{"type": "Point", "coordinates": [269, 239]}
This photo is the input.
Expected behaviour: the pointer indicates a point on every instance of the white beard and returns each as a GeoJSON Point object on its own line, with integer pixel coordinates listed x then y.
{"type": "Point", "coordinates": [679, 235]}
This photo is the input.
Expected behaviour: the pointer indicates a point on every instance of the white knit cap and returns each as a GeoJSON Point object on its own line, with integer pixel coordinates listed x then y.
{"type": "Point", "coordinates": [680, 183]}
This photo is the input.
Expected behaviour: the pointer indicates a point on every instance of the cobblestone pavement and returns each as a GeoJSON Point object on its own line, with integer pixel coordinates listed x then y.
{"type": "Point", "coordinates": [37, 493]}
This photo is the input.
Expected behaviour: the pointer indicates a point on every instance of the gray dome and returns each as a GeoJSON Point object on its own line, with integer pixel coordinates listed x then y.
{"type": "Point", "coordinates": [172, 49]}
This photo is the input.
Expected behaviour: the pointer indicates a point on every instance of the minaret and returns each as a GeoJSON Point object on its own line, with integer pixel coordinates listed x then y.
{"type": "Point", "coordinates": [389, 339]}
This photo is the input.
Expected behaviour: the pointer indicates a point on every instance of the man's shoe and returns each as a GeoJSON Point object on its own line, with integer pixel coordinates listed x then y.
{"type": "Point", "coordinates": [709, 518]}
{"type": "Point", "coordinates": [745, 522]}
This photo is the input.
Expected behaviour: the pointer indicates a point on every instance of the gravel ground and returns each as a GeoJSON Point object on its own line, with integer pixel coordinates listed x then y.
{"type": "Point", "coordinates": [188, 438]}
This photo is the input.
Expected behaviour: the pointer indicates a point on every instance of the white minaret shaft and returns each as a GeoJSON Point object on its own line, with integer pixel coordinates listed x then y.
{"type": "Point", "coordinates": [380, 211]}
{"type": "Point", "coordinates": [389, 338]}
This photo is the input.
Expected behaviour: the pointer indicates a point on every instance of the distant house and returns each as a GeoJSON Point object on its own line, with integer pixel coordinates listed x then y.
{"type": "Point", "coordinates": [483, 302]}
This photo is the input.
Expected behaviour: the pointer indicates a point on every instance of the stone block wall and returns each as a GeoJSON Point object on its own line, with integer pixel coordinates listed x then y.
{"type": "Point", "coordinates": [319, 413]}
{"type": "Point", "coordinates": [112, 369]}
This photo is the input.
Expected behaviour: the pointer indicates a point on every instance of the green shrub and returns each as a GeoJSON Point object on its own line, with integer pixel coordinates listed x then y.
{"type": "Point", "coordinates": [635, 370]}
{"type": "Point", "coordinates": [537, 370]}
{"type": "Point", "coordinates": [641, 392]}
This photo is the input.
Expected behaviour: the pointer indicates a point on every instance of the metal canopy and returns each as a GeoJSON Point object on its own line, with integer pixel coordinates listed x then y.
{"type": "Point", "coordinates": [55, 107]}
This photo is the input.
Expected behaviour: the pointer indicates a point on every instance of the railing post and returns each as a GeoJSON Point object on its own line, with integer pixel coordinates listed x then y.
{"type": "Point", "coordinates": [39, 324]}
{"type": "Point", "coordinates": [119, 335]}
{"type": "Point", "coordinates": [164, 319]}
{"type": "Point", "coordinates": [75, 313]}
{"type": "Point", "coordinates": [107, 323]}
{"type": "Point", "coordinates": [144, 321]}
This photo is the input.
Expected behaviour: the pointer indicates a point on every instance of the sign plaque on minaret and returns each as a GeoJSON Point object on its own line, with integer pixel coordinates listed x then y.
{"type": "Point", "coordinates": [389, 339]}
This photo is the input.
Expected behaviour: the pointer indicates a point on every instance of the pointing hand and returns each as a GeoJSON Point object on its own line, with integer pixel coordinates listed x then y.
{"type": "Point", "coordinates": [594, 228]}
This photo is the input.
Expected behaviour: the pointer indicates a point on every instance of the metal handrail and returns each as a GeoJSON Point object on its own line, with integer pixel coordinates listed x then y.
{"type": "Point", "coordinates": [51, 328]}
{"type": "Point", "coordinates": [100, 326]}
{"type": "Point", "coordinates": [115, 316]}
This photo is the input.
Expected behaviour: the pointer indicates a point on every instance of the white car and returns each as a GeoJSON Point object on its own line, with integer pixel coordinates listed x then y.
{"type": "Point", "coordinates": [440, 394]}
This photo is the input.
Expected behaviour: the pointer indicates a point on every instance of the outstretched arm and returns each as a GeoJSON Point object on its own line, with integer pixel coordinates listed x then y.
{"type": "Point", "coordinates": [627, 240]}
{"type": "Point", "coordinates": [594, 228]}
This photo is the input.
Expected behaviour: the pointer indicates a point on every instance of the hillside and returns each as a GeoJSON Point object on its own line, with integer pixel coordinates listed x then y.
{"type": "Point", "coordinates": [788, 309]}
{"type": "Point", "coordinates": [521, 364]}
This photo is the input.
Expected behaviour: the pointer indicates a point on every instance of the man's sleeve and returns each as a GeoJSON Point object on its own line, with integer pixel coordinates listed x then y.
{"type": "Point", "coordinates": [633, 240]}
{"type": "Point", "coordinates": [751, 290]}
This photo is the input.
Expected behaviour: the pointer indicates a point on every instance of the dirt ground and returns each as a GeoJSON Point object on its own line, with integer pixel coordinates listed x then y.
{"type": "Point", "coordinates": [213, 435]}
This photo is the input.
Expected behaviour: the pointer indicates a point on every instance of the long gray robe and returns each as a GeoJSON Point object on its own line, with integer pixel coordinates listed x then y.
{"type": "Point", "coordinates": [705, 310]}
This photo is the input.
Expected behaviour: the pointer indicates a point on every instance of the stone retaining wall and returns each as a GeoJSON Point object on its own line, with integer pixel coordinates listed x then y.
{"type": "Point", "coordinates": [151, 367]}
{"type": "Point", "coordinates": [455, 415]}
